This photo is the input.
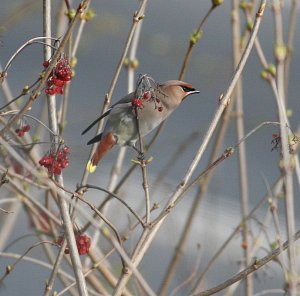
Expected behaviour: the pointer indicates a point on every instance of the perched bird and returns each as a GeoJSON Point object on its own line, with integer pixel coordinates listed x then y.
{"type": "Point", "coordinates": [153, 105]}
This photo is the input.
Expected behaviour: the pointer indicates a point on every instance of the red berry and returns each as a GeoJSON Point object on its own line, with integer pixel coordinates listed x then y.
{"type": "Point", "coordinates": [66, 150]}
{"type": "Point", "coordinates": [46, 161]}
{"type": "Point", "coordinates": [50, 81]}
{"type": "Point", "coordinates": [157, 100]}
{"type": "Point", "coordinates": [26, 128]}
{"type": "Point", "coordinates": [160, 109]}
{"type": "Point", "coordinates": [83, 243]}
{"type": "Point", "coordinates": [147, 95]}
{"type": "Point", "coordinates": [21, 133]}
{"type": "Point", "coordinates": [46, 64]}
{"type": "Point", "coordinates": [81, 240]}
{"type": "Point", "coordinates": [60, 155]}
{"type": "Point", "coordinates": [56, 171]}
{"type": "Point", "coordinates": [59, 90]}
{"type": "Point", "coordinates": [67, 78]}
{"type": "Point", "coordinates": [87, 242]}
{"type": "Point", "coordinates": [58, 82]}
{"type": "Point", "coordinates": [137, 103]}
{"type": "Point", "coordinates": [64, 163]}
{"type": "Point", "coordinates": [244, 245]}
{"type": "Point", "coordinates": [64, 74]}
{"type": "Point", "coordinates": [82, 250]}
{"type": "Point", "coordinates": [50, 91]}
{"type": "Point", "coordinates": [60, 240]}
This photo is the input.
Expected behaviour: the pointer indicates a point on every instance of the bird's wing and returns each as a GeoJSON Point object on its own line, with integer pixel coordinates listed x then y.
{"type": "Point", "coordinates": [124, 100]}
{"type": "Point", "coordinates": [97, 120]}
{"type": "Point", "coordinates": [95, 139]}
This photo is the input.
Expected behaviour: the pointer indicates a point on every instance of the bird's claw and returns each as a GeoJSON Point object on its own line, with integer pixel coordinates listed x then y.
{"type": "Point", "coordinates": [141, 156]}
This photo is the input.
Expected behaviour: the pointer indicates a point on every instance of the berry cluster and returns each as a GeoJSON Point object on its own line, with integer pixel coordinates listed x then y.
{"type": "Point", "coordinates": [83, 243]}
{"type": "Point", "coordinates": [147, 96]}
{"type": "Point", "coordinates": [21, 131]}
{"type": "Point", "coordinates": [56, 162]}
{"type": "Point", "coordinates": [158, 105]}
{"type": "Point", "coordinates": [58, 77]}
{"type": "Point", "coordinates": [138, 103]}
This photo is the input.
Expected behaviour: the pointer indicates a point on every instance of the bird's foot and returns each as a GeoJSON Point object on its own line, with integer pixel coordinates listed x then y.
{"type": "Point", "coordinates": [141, 156]}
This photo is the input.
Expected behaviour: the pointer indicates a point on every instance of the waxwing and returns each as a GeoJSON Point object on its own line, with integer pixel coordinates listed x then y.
{"type": "Point", "coordinates": [152, 101]}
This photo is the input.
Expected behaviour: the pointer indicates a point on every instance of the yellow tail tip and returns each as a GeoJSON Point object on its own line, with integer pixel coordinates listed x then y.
{"type": "Point", "coordinates": [90, 167]}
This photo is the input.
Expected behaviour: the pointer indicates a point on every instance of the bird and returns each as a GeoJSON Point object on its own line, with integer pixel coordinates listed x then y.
{"type": "Point", "coordinates": [152, 102]}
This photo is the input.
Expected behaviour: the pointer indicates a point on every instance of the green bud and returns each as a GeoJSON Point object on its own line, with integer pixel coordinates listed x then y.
{"type": "Point", "coordinates": [73, 62]}
{"type": "Point", "coordinates": [25, 186]}
{"type": "Point", "coordinates": [9, 269]}
{"type": "Point", "coordinates": [71, 13]}
{"type": "Point", "coordinates": [25, 89]}
{"type": "Point", "coordinates": [264, 74]}
{"type": "Point", "coordinates": [272, 69]}
{"type": "Point", "coordinates": [274, 245]}
{"type": "Point", "coordinates": [156, 205]}
{"type": "Point", "coordinates": [280, 52]}
{"type": "Point", "coordinates": [105, 231]}
{"type": "Point", "coordinates": [90, 14]}
{"type": "Point", "coordinates": [249, 26]}
{"type": "Point", "coordinates": [35, 138]}
{"type": "Point", "coordinates": [242, 41]}
{"type": "Point", "coordinates": [217, 2]}
{"type": "Point", "coordinates": [228, 151]}
{"type": "Point", "coordinates": [134, 63]}
{"type": "Point", "coordinates": [243, 5]}
{"type": "Point", "coordinates": [126, 62]}
{"type": "Point", "coordinates": [195, 36]}
{"type": "Point", "coordinates": [289, 113]}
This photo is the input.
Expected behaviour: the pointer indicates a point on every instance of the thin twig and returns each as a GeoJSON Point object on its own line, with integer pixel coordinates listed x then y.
{"type": "Point", "coordinates": [286, 157]}
{"type": "Point", "coordinates": [148, 235]}
{"type": "Point", "coordinates": [11, 267]}
{"type": "Point", "coordinates": [43, 264]}
{"type": "Point", "coordinates": [137, 17]}
{"type": "Point", "coordinates": [47, 72]}
{"type": "Point", "coordinates": [290, 43]}
{"type": "Point", "coordinates": [243, 176]}
{"type": "Point", "coordinates": [193, 40]}
{"type": "Point", "coordinates": [87, 186]}
{"type": "Point", "coordinates": [51, 102]}
{"type": "Point", "coordinates": [143, 165]}
{"type": "Point", "coordinates": [22, 47]}
{"type": "Point", "coordinates": [258, 263]}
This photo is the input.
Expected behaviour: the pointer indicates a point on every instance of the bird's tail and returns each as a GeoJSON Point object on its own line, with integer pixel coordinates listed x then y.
{"type": "Point", "coordinates": [106, 143]}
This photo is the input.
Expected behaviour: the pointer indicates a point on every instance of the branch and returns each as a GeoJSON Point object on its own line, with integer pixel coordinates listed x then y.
{"type": "Point", "coordinates": [255, 266]}
{"type": "Point", "coordinates": [47, 72]}
{"type": "Point", "coordinates": [148, 235]}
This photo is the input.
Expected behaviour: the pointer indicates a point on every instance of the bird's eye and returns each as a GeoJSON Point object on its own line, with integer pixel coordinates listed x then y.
{"type": "Point", "coordinates": [187, 89]}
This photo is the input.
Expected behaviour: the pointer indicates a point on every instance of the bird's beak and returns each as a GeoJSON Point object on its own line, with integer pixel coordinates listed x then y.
{"type": "Point", "coordinates": [194, 92]}
{"type": "Point", "coordinates": [190, 93]}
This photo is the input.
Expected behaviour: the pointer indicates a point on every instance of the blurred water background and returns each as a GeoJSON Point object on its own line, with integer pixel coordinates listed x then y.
{"type": "Point", "coordinates": [164, 40]}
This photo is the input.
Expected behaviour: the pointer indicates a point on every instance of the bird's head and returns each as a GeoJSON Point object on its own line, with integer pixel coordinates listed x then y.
{"type": "Point", "coordinates": [175, 91]}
